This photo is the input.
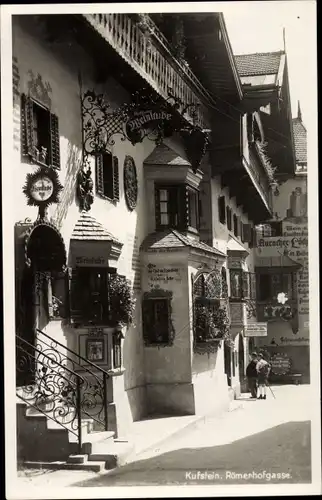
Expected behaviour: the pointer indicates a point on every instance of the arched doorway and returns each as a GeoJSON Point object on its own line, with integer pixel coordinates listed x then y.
{"type": "Point", "coordinates": [44, 255]}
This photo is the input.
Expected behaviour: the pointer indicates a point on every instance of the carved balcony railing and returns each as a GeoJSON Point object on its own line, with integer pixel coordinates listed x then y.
{"type": "Point", "coordinates": [273, 311]}
{"type": "Point", "coordinates": [150, 56]}
{"type": "Point", "coordinates": [259, 178]}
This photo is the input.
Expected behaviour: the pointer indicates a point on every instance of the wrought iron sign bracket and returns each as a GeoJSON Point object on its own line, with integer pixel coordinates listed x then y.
{"type": "Point", "coordinates": [145, 116]}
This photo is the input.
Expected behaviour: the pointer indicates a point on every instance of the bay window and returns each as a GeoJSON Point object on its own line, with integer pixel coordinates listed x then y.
{"type": "Point", "coordinates": [242, 284]}
{"type": "Point", "coordinates": [177, 207]}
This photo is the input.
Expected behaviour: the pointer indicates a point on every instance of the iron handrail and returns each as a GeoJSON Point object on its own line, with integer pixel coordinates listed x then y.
{"type": "Point", "coordinates": [51, 344]}
{"type": "Point", "coordinates": [46, 356]}
{"type": "Point", "coordinates": [74, 353]}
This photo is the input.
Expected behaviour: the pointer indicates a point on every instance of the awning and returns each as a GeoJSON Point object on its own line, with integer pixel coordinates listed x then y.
{"type": "Point", "coordinates": [92, 245]}
{"type": "Point", "coordinates": [278, 261]}
{"type": "Point", "coordinates": [44, 247]}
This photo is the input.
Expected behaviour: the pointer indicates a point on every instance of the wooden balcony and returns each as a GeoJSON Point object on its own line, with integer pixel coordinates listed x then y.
{"type": "Point", "coordinates": [148, 53]}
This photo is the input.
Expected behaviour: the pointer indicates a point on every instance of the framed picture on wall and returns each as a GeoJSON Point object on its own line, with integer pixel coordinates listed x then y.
{"type": "Point", "coordinates": [95, 349]}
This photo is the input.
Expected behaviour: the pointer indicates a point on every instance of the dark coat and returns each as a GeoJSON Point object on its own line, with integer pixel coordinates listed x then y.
{"type": "Point", "coordinates": [251, 369]}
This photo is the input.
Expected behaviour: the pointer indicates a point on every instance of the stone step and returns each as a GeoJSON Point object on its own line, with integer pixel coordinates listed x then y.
{"type": "Point", "coordinates": [114, 455]}
{"type": "Point", "coordinates": [77, 459]}
{"type": "Point", "coordinates": [86, 466]}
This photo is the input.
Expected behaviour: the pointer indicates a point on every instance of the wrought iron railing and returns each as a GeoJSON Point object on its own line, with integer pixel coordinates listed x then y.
{"type": "Point", "coordinates": [150, 56]}
{"type": "Point", "coordinates": [62, 387]}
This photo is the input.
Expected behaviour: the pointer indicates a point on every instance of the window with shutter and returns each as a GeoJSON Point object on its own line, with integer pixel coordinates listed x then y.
{"type": "Point", "coordinates": [156, 320]}
{"type": "Point", "coordinates": [40, 133]}
{"type": "Point", "coordinates": [107, 176]}
{"type": "Point", "coordinates": [222, 209]}
{"type": "Point", "coordinates": [173, 207]}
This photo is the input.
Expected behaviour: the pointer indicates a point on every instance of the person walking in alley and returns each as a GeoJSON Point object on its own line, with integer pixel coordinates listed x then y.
{"type": "Point", "coordinates": [263, 369]}
{"type": "Point", "coordinates": [251, 374]}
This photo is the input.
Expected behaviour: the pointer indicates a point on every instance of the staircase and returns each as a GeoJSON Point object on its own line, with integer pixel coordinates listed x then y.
{"type": "Point", "coordinates": [62, 410]}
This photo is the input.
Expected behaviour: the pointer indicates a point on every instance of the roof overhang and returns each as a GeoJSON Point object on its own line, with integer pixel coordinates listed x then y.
{"type": "Point", "coordinates": [92, 245]}
{"type": "Point", "coordinates": [210, 55]}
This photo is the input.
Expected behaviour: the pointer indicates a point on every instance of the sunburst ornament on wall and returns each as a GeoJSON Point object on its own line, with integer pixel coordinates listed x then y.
{"type": "Point", "coordinates": [42, 188]}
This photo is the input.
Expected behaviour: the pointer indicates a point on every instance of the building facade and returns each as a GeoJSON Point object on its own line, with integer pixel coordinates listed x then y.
{"type": "Point", "coordinates": [140, 184]}
{"type": "Point", "coordinates": [282, 266]}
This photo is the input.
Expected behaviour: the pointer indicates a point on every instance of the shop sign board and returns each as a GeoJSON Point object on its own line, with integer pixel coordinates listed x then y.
{"type": "Point", "coordinates": [256, 330]}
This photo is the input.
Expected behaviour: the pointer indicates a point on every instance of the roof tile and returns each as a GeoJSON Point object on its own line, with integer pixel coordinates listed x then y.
{"type": "Point", "coordinates": [88, 228]}
{"type": "Point", "coordinates": [300, 141]}
{"type": "Point", "coordinates": [163, 155]}
{"type": "Point", "coordinates": [171, 238]}
{"type": "Point", "coordinates": [261, 63]}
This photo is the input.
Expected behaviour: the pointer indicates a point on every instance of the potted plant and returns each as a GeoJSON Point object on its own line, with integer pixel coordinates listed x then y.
{"type": "Point", "coordinates": [122, 302]}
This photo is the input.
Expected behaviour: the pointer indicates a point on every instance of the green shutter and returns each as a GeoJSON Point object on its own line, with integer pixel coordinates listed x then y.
{"type": "Point", "coordinates": [54, 141]}
{"type": "Point", "coordinates": [116, 182]}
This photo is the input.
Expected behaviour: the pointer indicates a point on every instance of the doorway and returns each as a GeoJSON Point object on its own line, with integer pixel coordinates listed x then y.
{"type": "Point", "coordinates": [241, 358]}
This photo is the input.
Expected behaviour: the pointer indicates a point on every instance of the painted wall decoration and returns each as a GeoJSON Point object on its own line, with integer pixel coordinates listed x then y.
{"type": "Point", "coordinates": [163, 275]}
{"type": "Point", "coordinates": [39, 89]}
{"type": "Point", "coordinates": [130, 182]}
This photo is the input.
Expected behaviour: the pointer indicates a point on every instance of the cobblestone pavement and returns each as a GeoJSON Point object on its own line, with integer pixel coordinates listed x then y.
{"type": "Point", "coordinates": [271, 436]}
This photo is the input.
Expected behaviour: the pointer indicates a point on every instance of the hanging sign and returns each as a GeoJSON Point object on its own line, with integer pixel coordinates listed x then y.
{"type": "Point", "coordinates": [256, 330]}
{"type": "Point", "coordinates": [42, 188]}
